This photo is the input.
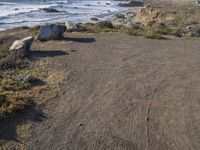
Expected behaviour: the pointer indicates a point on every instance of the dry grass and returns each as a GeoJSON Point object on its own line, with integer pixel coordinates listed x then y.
{"type": "Point", "coordinates": [182, 14]}
{"type": "Point", "coordinates": [14, 90]}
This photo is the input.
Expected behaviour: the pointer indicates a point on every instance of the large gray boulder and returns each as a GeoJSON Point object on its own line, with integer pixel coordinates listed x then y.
{"type": "Point", "coordinates": [21, 48]}
{"type": "Point", "coordinates": [72, 27]}
{"type": "Point", "coordinates": [51, 32]}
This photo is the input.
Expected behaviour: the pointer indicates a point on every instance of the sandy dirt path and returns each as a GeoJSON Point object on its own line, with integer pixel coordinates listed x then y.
{"type": "Point", "coordinates": [123, 93]}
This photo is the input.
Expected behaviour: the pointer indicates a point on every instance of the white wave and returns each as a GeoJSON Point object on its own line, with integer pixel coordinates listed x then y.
{"type": "Point", "coordinates": [29, 13]}
{"type": "Point", "coordinates": [15, 9]}
{"type": "Point", "coordinates": [62, 2]}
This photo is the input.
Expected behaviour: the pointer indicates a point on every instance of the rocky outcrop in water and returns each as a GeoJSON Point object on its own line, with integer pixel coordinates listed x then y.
{"type": "Point", "coordinates": [131, 3]}
{"type": "Point", "coordinates": [50, 10]}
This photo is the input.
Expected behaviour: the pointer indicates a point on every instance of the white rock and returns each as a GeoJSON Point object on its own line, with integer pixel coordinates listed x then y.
{"type": "Point", "coordinates": [22, 47]}
{"type": "Point", "coordinates": [72, 27]}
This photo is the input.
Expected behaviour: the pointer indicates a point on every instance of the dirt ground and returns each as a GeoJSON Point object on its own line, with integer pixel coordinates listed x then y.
{"type": "Point", "coordinates": [122, 93]}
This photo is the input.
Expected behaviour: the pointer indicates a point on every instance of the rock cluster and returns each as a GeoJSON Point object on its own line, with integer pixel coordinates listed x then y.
{"type": "Point", "coordinates": [127, 20]}
{"type": "Point", "coordinates": [21, 48]}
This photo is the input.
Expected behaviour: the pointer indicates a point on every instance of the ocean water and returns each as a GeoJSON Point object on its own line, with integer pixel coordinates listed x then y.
{"type": "Point", "coordinates": [16, 13]}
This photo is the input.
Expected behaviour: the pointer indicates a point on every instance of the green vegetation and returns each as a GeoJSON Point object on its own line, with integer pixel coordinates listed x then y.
{"type": "Point", "coordinates": [106, 26]}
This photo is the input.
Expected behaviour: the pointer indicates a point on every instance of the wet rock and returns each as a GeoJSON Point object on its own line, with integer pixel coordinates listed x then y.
{"type": "Point", "coordinates": [131, 3]}
{"type": "Point", "coordinates": [50, 10]}
{"type": "Point", "coordinates": [21, 48]}
{"type": "Point", "coordinates": [51, 32]}
{"type": "Point", "coordinates": [94, 19]}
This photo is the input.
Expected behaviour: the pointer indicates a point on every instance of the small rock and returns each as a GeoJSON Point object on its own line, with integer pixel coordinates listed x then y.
{"type": "Point", "coordinates": [162, 26]}
{"type": "Point", "coordinates": [130, 15]}
{"type": "Point", "coordinates": [51, 32]}
{"type": "Point", "coordinates": [118, 20]}
{"type": "Point", "coordinates": [190, 27]}
{"type": "Point", "coordinates": [22, 47]}
{"type": "Point", "coordinates": [94, 19]}
{"type": "Point", "coordinates": [108, 3]}
{"type": "Point", "coordinates": [194, 31]}
{"type": "Point", "coordinates": [72, 27]}
{"type": "Point", "coordinates": [32, 80]}
{"type": "Point", "coordinates": [119, 16]}
{"type": "Point", "coordinates": [197, 1]}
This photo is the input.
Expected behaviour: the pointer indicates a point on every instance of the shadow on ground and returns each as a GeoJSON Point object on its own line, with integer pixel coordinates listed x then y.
{"type": "Point", "coordinates": [81, 40]}
{"type": "Point", "coordinates": [43, 54]}
{"type": "Point", "coordinates": [8, 126]}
